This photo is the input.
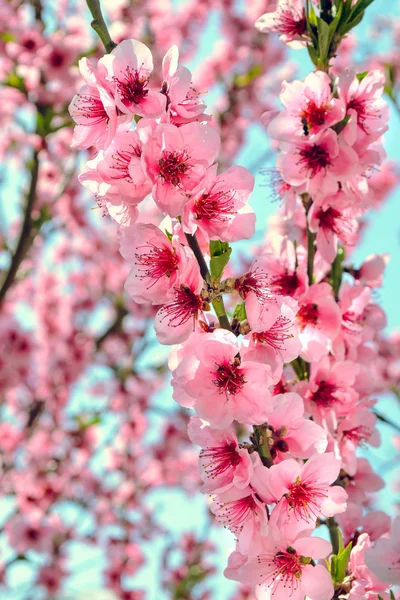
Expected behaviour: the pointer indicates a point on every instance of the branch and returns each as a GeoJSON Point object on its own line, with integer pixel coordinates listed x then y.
{"type": "Point", "coordinates": [24, 241]}
{"type": "Point", "coordinates": [99, 25]}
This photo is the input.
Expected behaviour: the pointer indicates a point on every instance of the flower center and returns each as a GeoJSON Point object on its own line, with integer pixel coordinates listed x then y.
{"type": "Point", "coordinates": [158, 262]}
{"type": "Point", "coordinates": [121, 162]}
{"type": "Point", "coordinates": [217, 206]}
{"type": "Point", "coordinates": [90, 107]}
{"type": "Point", "coordinates": [365, 110]}
{"type": "Point", "coordinates": [290, 22]}
{"type": "Point", "coordinates": [186, 305]}
{"type": "Point", "coordinates": [313, 115]}
{"type": "Point", "coordinates": [305, 500]}
{"type": "Point", "coordinates": [173, 166]}
{"type": "Point", "coordinates": [277, 335]}
{"type": "Point", "coordinates": [307, 315]}
{"type": "Point", "coordinates": [133, 86]}
{"type": "Point", "coordinates": [229, 378]}
{"type": "Point", "coordinates": [233, 514]}
{"type": "Point", "coordinates": [325, 395]}
{"type": "Point", "coordinates": [286, 284]}
{"type": "Point", "coordinates": [220, 459]}
{"type": "Point", "coordinates": [313, 159]}
{"type": "Point", "coordinates": [255, 281]}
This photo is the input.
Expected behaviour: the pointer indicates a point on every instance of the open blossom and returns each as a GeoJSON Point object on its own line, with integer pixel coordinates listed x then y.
{"type": "Point", "coordinates": [184, 104]}
{"type": "Point", "coordinates": [293, 435]}
{"type": "Point", "coordinates": [317, 163]}
{"type": "Point", "coordinates": [333, 220]}
{"type": "Point", "coordinates": [129, 68]}
{"type": "Point", "coordinates": [156, 262]}
{"type": "Point", "coordinates": [309, 108]}
{"type": "Point", "coordinates": [219, 206]}
{"type": "Point", "coordinates": [93, 109]}
{"type": "Point", "coordinates": [365, 584]}
{"type": "Point", "coordinates": [224, 386]}
{"type": "Point", "coordinates": [282, 569]}
{"type": "Point", "coordinates": [275, 344]}
{"type": "Point", "coordinates": [176, 160]}
{"type": "Point", "coordinates": [305, 493]}
{"type": "Point", "coordinates": [318, 322]}
{"type": "Point", "coordinates": [289, 20]}
{"type": "Point", "coordinates": [364, 102]}
{"type": "Point", "coordinates": [358, 428]}
{"type": "Point", "coordinates": [176, 319]}
{"type": "Point", "coordinates": [223, 463]}
{"type": "Point", "coordinates": [384, 558]}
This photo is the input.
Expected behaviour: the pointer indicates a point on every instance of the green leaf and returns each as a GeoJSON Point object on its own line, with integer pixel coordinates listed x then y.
{"type": "Point", "coordinates": [359, 8]}
{"type": "Point", "coordinates": [342, 561]}
{"type": "Point", "coordinates": [361, 76]}
{"type": "Point", "coordinates": [220, 254]}
{"type": "Point", "coordinates": [240, 312]}
{"type": "Point", "coordinates": [347, 26]}
{"type": "Point", "coordinates": [313, 54]}
{"type": "Point", "coordinates": [337, 271]}
{"type": "Point", "coordinates": [323, 39]}
{"type": "Point", "coordinates": [7, 37]}
{"type": "Point", "coordinates": [392, 596]}
{"type": "Point", "coordinates": [168, 234]}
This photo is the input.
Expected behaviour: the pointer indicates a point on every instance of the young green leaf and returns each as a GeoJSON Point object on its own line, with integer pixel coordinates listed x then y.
{"type": "Point", "coordinates": [220, 254]}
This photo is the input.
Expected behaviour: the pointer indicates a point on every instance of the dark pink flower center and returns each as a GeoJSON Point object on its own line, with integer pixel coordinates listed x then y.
{"type": "Point", "coordinates": [325, 396]}
{"type": "Point", "coordinates": [158, 262]}
{"type": "Point", "coordinates": [185, 306]}
{"type": "Point", "coordinates": [277, 335]}
{"type": "Point", "coordinates": [365, 110]}
{"type": "Point", "coordinates": [215, 206]}
{"type": "Point", "coordinates": [255, 281]}
{"type": "Point", "coordinates": [286, 283]}
{"type": "Point", "coordinates": [132, 88]}
{"type": "Point", "coordinates": [313, 115]}
{"type": "Point", "coordinates": [290, 22]}
{"type": "Point", "coordinates": [173, 166]}
{"type": "Point", "coordinates": [305, 499]}
{"type": "Point", "coordinates": [91, 107]}
{"type": "Point", "coordinates": [220, 459]}
{"type": "Point", "coordinates": [358, 435]}
{"type": "Point", "coordinates": [229, 378]}
{"type": "Point", "coordinates": [283, 569]}
{"type": "Point", "coordinates": [121, 162]}
{"type": "Point", "coordinates": [334, 221]}
{"type": "Point", "coordinates": [234, 514]}
{"type": "Point", "coordinates": [307, 315]}
{"type": "Point", "coordinates": [314, 158]}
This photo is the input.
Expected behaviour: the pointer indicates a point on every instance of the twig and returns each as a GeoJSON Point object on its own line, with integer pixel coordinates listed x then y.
{"type": "Point", "coordinates": [99, 25]}
{"type": "Point", "coordinates": [26, 231]}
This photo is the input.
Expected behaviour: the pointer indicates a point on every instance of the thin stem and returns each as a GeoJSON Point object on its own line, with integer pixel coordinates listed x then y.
{"type": "Point", "coordinates": [218, 305]}
{"type": "Point", "coordinates": [334, 534]}
{"type": "Point", "coordinates": [24, 240]}
{"type": "Point", "coordinates": [310, 255]}
{"type": "Point", "coordinates": [99, 25]}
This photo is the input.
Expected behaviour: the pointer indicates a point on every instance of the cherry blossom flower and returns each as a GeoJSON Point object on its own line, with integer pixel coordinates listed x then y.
{"type": "Point", "coordinates": [176, 160]}
{"type": "Point", "coordinates": [384, 558]}
{"type": "Point", "coordinates": [289, 20]}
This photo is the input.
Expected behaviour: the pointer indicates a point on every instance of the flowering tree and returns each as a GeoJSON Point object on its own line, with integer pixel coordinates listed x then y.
{"type": "Point", "coordinates": [278, 357]}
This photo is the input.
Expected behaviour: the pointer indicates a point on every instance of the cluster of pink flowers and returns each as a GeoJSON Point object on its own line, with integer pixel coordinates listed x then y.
{"type": "Point", "coordinates": [292, 370]}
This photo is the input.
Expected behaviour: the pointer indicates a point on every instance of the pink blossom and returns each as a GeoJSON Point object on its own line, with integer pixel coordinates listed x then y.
{"type": "Point", "coordinates": [29, 533]}
{"type": "Point", "coordinates": [365, 583]}
{"type": "Point", "coordinates": [318, 322]}
{"type": "Point", "coordinates": [333, 220]}
{"type": "Point", "coordinates": [183, 101]}
{"type": "Point", "coordinates": [384, 558]}
{"type": "Point", "coordinates": [93, 109]}
{"type": "Point", "coordinates": [224, 386]}
{"type": "Point", "coordinates": [129, 67]}
{"type": "Point", "coordinates": [223, 463]}
{"type": "Point", "coordinates": [310, 108]}
{"type": "Point", "coordinates": [277, 344]}
{"type": "Point", "coordinates": [176, 160]}
{"type": "Point", "coordinates": [218, 205]}
{"type": "Point", "coordinates": [176, 319]}
{"type": "Point", "coordinates": [282, 570]}
{"type": "Point", "coordinates": [318, 164]}
{"type": "Point", "coordinates": [156, 262]}
{"type": "Point", "coordinates": [289, 20]}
